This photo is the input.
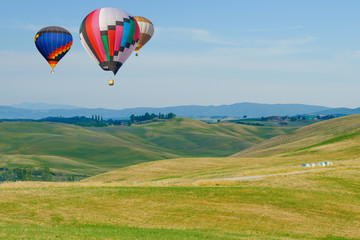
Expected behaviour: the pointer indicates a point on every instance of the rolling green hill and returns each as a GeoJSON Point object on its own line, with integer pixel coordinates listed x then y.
{"type": "Point", "coordinates": [337, 138]}
{"type": "Point", "coordinates": [79, 150]}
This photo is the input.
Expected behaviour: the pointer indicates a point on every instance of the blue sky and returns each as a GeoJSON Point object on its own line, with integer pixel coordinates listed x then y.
{"type": "Point", "coordinates": [202, 53]}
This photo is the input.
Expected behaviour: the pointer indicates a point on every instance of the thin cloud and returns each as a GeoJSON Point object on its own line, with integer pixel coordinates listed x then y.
{"type": "Point", "coordinates": [30, 27]}
{"type": "Point", "coordinates": [273, 29]}
{"type": "Point", "coordinates": [193, 34]}
{"type": "Point", "coordinates": [345, 55]}
{"type": "Point", "coordinates": [292, 41]}
{"type": "Point", "coordinates": [262, 51]}
{"type": "Point", "coordinates": [269, 48]}
{"type": "Point", "coordinates": [35, 28]}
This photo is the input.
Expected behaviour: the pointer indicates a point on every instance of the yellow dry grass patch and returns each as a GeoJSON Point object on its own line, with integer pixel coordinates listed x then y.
{"type": "Point", "coordinates": [195, 171]}
{"type": "Point", "coordinates": [180, 170]}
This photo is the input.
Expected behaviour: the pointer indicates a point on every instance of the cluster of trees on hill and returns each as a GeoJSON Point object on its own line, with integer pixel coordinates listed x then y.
{"type": "Point", "coordinates": [35, 174]}
{"type": "Point", "coordinates": [147, 116]}
{"type": "Point", "coordinates": [99, 121]}
{"type": "Point", "coordinates": [296, 118]}
{"type": "Point", "coordinates": [250, 123]}
{"type": "Point", "coordinates": [95, 120]}
{"type": "Point", "coordinates": [325, 117]}
{"type": "Point", "coordinates": [280, 120]}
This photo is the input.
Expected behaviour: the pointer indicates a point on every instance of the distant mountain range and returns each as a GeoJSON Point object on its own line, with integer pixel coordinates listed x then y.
{"type": "Point", "coordinates": [338, 111]}
{"type": "Point", "coordinates": [42, 106]}
{"type": "Point", "coordinates": [42, 110]}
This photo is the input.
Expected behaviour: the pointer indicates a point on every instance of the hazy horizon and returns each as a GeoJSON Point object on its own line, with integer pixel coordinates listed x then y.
{"type": "Point", "coordinates": [33, 105]}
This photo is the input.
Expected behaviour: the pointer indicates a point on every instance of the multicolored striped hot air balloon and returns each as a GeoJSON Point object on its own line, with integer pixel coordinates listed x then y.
{"type": "Point", "coordinates": [53, 43]}
{"type": "Point", "coordinates": [146, 31]}
{"type": "Point", "coordinates": [109, 35]}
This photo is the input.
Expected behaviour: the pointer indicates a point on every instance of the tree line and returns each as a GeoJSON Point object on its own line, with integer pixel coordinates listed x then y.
{"type": "Point", "coordinates": [98, 121]}
{"type": "Point", "coordinates": [35, 174]}
{"type": "Point", "coordinates": [147, 116]}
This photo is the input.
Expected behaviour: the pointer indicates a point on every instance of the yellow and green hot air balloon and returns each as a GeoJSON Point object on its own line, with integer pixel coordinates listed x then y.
{"type": "Point", "coordinates": [146, 31]}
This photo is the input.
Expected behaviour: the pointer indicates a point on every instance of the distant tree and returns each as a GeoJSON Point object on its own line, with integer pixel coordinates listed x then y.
{"type": "Point", "coordinates": [147, 116]}
{"type": "Point", "coordinates": [244, 116]}
{"type": "Point", "coordinates": [71, 178]}
{"type": "Point", "coordinates": [283, 123]}
{"type": "Point", "coordinates": [46, 174]}
{"type": "Point", "coordinates": [132, 118]}
{"type": "Point", "coordinates": [28, 174]}
{"type": "Point", "coordinates": [171, 115]}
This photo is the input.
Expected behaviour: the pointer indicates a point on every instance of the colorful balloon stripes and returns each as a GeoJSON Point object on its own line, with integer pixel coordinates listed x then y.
{"type": "Point", "coordinates": [53, 43]}
{"type": "Point", "coordinates": [109, 35]}
{"type": "Point", "coordinates": [146, 31]}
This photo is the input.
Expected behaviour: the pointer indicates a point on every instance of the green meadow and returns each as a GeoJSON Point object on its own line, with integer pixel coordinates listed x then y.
{"type": "Point", "coordinates": [187, 196]}
{"type": "Point", "coordinates": [90, 151]}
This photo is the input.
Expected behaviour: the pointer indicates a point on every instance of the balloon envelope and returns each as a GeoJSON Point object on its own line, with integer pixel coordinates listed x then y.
{"type": "Point", "coordinates": [53, 43]}
{"type": "Point", "coordinates": [109, 35]}
{"type": "Point", "coordinates": [146, 31]}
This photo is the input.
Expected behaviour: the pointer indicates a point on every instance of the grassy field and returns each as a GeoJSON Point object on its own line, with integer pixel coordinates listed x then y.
{"type": "Point", "coordinates": [321, 205]}
{"type": "Point", "coordinates": [188, 198]}
{"type": "Point", "coordinates": [90, 151]}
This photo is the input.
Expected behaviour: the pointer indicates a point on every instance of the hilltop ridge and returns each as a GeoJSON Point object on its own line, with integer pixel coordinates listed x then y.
{"type": "Point", "coordinates": [308, 138]}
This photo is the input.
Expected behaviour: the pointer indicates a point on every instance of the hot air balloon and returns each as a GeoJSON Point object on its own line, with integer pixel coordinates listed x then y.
{"type": "Point", "coordinates": [53, 43]}
{"type": "Point", "coordinates": [109, 35]}
{"type": "Point", "coordinates": [146, 31]}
